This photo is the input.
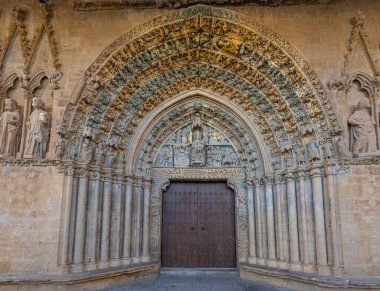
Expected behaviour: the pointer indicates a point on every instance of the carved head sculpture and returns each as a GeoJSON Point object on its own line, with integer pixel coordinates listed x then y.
{"type": "Point", "coordinates": [10, 105]}
{"type": "Point", "coordinates": [37, 102]}
{"type": "Point", "coordinates": [363, 104]}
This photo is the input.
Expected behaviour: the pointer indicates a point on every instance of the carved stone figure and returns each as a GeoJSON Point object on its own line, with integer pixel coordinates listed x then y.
{"type": "Point", "coordinates": [313, 151]}
{"type": "Point", "coordinates": [230, 158]}
{"type": "Point", "coordinates": [60, 148]}
{"type": "Point", "coordinates": [99, 155]}
{"type": "Point", "coordinates": [341, 147]}
{"type": "Point", "coordinates": [119, 162]}
{"type": "Point", "coordinates": [363, 131]}
{"type": "Point", "coordinates": [109, 158]}
{"type": "Point", "coordinates": [301, 156]}
{"type": "Point", "coordinates": [214, 157]}
{"type": "Point", "coordinates": [37, 138]}
{"type": "Point", "coordinates": [87, 151]}
{"type": "Point", "coordinates": [10, 123]}
{"type": "Point", "coordinates": [165, 158]}
{"type": "Point", "coordinates": [328, 151]}
{"type": "Point", "coordinates": [181, 156]}
{"type": "Point", "coordinates": [197, 150]}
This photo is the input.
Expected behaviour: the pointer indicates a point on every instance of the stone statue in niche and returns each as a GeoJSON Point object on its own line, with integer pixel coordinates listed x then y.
{"type": "Point", "coordinates": [313, 151]}
{"type": "Point", "coordinates": [363, 130]}
{"type": "Point", "coordinates": [87, 151]}
{"type": "Point", "coordinates": [341, 147]}
{"type": "Point", "coordinates": [99, 155]}
{"type": "Point", "coordinates": [197, 150]}
{"type": "Point", "coordinates": [37, 138]}
{"type": "Point", "coordinates": [10, 124]}
{"type": "Point", "coordinates": [119, 162]}
{"type": "Point", "coordinates": [230, 158]}
{"type": "Point", "coordinates": [301, 156]}
{"type": "Point", "coordinates": [109, 158]}
{"type": "Point", "coordinates": [60, 148]}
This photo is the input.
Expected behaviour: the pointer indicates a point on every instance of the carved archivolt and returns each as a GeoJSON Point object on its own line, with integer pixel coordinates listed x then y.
{"type": "Point", "coordinates": [201, 48]}
{"type": "Point", "coordinates": [124, 4]}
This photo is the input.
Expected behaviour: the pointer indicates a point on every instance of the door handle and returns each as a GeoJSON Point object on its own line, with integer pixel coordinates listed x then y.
{"type": "Point", "coordinates": [191, 228]}
{"type": "Point", "coordinates": [202, 228]}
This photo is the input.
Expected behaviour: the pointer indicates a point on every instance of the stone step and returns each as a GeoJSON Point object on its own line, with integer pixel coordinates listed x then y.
{"type": "Point", "coordinates": [199, 271]}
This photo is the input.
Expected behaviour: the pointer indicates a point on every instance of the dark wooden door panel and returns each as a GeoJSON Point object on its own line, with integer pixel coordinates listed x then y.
{"type": "Point", "coordinates": [198, 225]}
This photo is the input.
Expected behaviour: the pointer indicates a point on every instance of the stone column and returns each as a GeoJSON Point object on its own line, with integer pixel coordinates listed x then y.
{"type": "Point", "coordinates": [304, 232]}
{"type": "Point", "coordinates": [106, 220]}
{"type": "Point", "coordinates": [332, 199]}
{"type": "Point", "coordinates": [127, 221]}
{"type": "Point", "coordinates": [319, 220]}
{"type": "Point", "coordinates": [80, 223]}
{"type": "Point", "coordinates": [293, 224]}
{"type": "Point", "coordinates": [136, 220]}
{"type": "Point", "coordinates": [252, 256]}
{"type": "Point", "coordinates": [92, 221]}
{"type": "Point", "coordinates": [270, 219]}
{"type": "Point", "coordinates": [259, 219]}
{"type": "Point", "coordinates": [281, 221]}
{"type": "Point", "coordinates": [65, 218]}
{"type": "Point", "coordinates": [146, 221]}
{"type": "Point", "coordinates": [115, 241]}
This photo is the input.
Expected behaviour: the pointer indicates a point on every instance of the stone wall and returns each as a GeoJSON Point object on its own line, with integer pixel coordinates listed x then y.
{"type": "Point", "coordinates": [30, 203]}
{"type": "Point", "coordinates": [359, 214]}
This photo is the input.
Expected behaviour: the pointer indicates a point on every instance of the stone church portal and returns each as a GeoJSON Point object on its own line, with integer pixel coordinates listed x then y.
{"type": "Point", "coordinates": [191, 136]}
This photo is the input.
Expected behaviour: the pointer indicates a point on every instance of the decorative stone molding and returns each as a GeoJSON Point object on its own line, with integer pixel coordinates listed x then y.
{"type": "Point", "coordinates": [85, 5]}
{"type": "Point", "coordinates": [236, 68]}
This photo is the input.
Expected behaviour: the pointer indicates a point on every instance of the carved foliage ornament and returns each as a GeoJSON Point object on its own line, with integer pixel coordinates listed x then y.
{"type": "Point", "coordinates": [117, 4]}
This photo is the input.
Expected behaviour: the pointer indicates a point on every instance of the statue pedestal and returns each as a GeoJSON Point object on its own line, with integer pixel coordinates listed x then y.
{"type": "Point", "coordinates": [371, 154]}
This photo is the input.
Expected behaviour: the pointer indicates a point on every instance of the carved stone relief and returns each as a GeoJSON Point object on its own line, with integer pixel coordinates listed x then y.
{"type": "Point", "coordinates": [10, 129]}
{"type": "Point", "coordinates": [117, 4]}
{"type": "Point", "coordinates": [197, 145]}
{"type": "Point", "coordinates": [38, 134]}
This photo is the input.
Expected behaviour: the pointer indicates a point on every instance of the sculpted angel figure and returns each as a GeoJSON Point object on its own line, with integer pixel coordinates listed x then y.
{"type": "Point", "coordinates": [10, 124]}
{"type": "Point", "coordinates": [38, 131]}
{"type": "Point", "coordinates": [363, 130]}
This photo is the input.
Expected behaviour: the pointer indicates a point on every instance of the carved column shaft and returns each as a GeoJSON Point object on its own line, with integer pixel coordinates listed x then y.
{"type": "Point", "coordinates": [145, 243]}
{"type": "Point", "coordinates": [281, 220]}
{"type": "Point", "coordinates": [92, 218]}
{"type": "Point", "coordinates": [65, 219]}
{"type": "Point", "coordinates": [304, 232]}
{"type": "Point", "coordinates": [80, 225]}
{"type": "Point", "coordinates": [270, 217]}
{"type": "Point", "coordinates": [251, 224]}
{"type": "Point", "coordinates": [106, 219]}
{"type": "Point", "coordinates": [331, 194]}
{"type": "Point", "coordinates": [115, 242]}
{"type": "Point", "coordinates": [127, 220]}
{"type": "Point", "coordinates": [136, 219]}
{"type": "Point", "coordinates": [319, 216]}
{"type": "Point", "coordinates": [259, 218]}
{"type": "Point", "coordinates": [292, 212]}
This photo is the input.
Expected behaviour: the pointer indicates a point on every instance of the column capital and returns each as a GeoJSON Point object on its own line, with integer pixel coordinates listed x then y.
{"type": "Point", "coordinates": [316, 172]}
{"type": "Point", "coordinates": [257, 182]}
{"type": "Point", "coordinates": [268, 179]}
{"type": "Point", "coordinates": [249, 183]}
{"type": "Point", "coordinates": [289, 176]}
{"type": "Point", "coordinates": [330, 170]}
{"type": "Point", "coordinates": [147, 183]}
{"type": "Point", "coordinates": [138, 182]}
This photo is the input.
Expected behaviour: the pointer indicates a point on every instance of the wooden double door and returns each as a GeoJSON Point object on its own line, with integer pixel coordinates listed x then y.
{"type": "Point", "coordinates": [198, 225]}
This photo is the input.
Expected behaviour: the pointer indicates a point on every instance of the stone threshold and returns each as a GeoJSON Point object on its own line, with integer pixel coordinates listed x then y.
{"type": "Point", "coordinates": [198, 271]}
{"type": "Point", "coordinates": [76, 278]}
{"type": "Point", "coordinates": [315, 279]}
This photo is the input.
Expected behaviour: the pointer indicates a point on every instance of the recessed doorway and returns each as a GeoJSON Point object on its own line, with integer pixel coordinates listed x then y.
{"type": "Point", "coordinates": [198, 228]}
